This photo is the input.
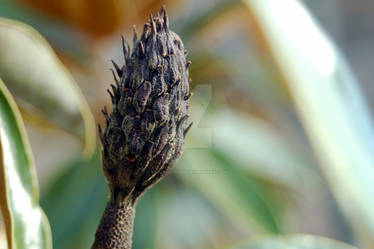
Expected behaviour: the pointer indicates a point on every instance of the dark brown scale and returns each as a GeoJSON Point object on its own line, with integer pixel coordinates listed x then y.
{"type": "Point", "coordinates": [111, 95]}
{"type": "Point", "coordinates": [160, 139]}
{"type": "Point", "coordinates": [115, 77]}
{"type": "Point", "coordinates": [159, 85]}
{"type": "Point", "coordinates": [187, 129]}
{"type": "Point", "coordinates": [144, 133]}
{"type": "Point", "coordinates": [147, 124]}
{"type": "Point", "coordinates": [141, 96]}
{"type": "Point", "coordinates": [127, 125]}
{"type": "Point", "coordinates": [161, 108]}
{"type": "Point", "coordinates": [116, 67]}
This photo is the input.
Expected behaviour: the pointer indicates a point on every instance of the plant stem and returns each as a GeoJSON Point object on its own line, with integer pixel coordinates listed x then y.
{"type": "Point", "coordinates": [116, 227]}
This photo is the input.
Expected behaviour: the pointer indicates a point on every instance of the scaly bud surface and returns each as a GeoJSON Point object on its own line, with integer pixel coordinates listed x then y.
{"type": "Point", "coordinates": [144, 133]}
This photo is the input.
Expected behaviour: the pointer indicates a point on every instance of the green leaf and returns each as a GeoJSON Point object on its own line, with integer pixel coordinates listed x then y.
{"type": "Point", "coordinates": [75, 201]}
{"type": "Point", "coordinates": [187, 219]}
{"type": "Point", "coordinates": [146, 220]}
{"type": "Point", "coordinates": [234, 194]}
{"type": "Point", "coordinates": [248, 142]}
{"type": "Point", "coordinates": [328, 102]}
{"type": "Point", "coordinates": [41, 83]}
{"type": "Point", "coordinates": [26, 224]}
{"type": "Point", "coordinates": [294, 242]}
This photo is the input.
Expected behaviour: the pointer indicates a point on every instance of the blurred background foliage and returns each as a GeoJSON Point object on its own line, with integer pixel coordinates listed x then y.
{"type": "Point", "coordinates": [248, 170]}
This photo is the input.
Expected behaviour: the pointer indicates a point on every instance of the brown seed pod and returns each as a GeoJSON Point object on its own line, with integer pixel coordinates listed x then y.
{"type": "Point", "coordinates": [145, 130]}
{"type": "Point", "coordinates": [144, 133]}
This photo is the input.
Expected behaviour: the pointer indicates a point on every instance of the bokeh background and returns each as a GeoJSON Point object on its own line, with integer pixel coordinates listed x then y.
{"type": "Point", "coordinates": [248, 169]}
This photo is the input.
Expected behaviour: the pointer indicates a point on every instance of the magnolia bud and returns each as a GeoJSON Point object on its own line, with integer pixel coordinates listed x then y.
{"type": "Point", "coordinates": [145, 131]}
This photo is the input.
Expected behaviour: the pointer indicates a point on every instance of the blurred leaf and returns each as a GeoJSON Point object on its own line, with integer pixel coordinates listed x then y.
{"type": "Point", "coordinates": [230, 191]}
{"type": "Point", "coordinates": [41, 83]}
{"type": "Point", "coordinates": [75, 202]}
{"type": "Point", "coordinates": [207, 67]}
{"type": "Point", "coordinates": [188, 220]}
{"type": "Point", "coordinates": [146, 221]}
{"type": "Point", "coordinates": [26, 225]}
{"type": "Point", "coordinates": [194, 25]}
{"type": "Point", "coordinates": [248, 142]}
{"type": "Point", "coordinates": [327, 99]}
{"type": "Point", "coordinates": [258, 148]}
{"type": "Point", "coordinates": [64, 38]}
{"type": "Point", "coordinates": [294, 242]}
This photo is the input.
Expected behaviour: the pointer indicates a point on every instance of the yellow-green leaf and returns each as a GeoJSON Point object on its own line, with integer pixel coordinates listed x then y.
{"type": "Point", "coordinates": [248, 141]}
{"type": "Point", "coordinates": [294, 242]}
{"type": "Point", "coordinates": [41, 83]}
{"type": "Point", "coordinates": [222, 184]}
{"type": "Point", "coordinates": [26, 224]}
{"type": "Point", "coordinates": [327, 99]}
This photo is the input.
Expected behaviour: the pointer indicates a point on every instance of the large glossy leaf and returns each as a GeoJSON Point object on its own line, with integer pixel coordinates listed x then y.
{"type": "Point", "coordinates": [294, 242]}
{"type": "Point", "coordinates": [327, 99]}
{"type": "Point", "coordinates": [26, 225]}
{"type": "Point", "coordinates": [40, 82]}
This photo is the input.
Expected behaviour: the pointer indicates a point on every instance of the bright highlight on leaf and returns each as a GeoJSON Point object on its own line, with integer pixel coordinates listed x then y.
{"type": "Point", "coordinates": [302, 35]}
{"type": "Point", "coordinates": [328, 102]}
{"type": "Point", "coordinates": [26, 224]}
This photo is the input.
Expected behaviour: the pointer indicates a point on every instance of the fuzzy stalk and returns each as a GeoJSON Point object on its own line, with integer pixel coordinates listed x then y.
{"type": "Point", "coordinates": [116, 227]}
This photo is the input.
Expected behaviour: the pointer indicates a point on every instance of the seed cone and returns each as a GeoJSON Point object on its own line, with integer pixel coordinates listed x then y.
{"type": "Point", "coordinates": [145, 131]}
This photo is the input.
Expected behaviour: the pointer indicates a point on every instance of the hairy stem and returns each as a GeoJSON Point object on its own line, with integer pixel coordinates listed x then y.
{"type": "Point", "coordinates": [116, 227]}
